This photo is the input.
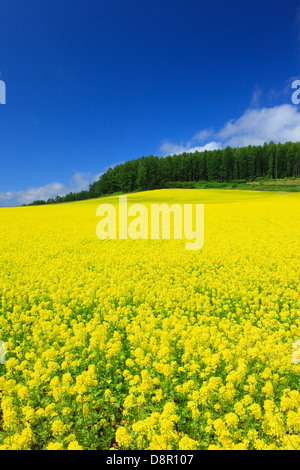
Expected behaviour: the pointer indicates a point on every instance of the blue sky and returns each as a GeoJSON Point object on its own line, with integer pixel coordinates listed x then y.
{"type": "Point", "coordinates": [93, 83]}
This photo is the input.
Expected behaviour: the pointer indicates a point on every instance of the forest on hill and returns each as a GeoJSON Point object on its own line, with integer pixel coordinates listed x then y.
{"type": "Point", "coordinates": [243, 164]}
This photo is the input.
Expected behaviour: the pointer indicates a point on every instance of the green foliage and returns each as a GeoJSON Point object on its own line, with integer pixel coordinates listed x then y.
{"type": "Point", "coordinates": [38, 202]}
{"type": "Point", "coordinates": [180, 184]}
{"type": "Point", "coordinates": [227, 168]}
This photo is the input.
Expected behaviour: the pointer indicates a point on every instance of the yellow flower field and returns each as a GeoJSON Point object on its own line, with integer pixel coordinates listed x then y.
{"type": "Point", "coordinates": [144, 345]}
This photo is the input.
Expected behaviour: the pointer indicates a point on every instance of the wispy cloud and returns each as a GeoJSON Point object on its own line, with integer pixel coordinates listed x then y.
{"type": "Point", "coordinates": [43, 192]}
{"type": "Point", "coordinates": [257, 94]}
{"type": "Point", "coordinates": [80, 181]}
{"type": "Point", "coordinates": [202, 135]}
{"type": "Point", "coordinates": [6, 196]}
{"type": "Point", "coordinates": [170, 148]}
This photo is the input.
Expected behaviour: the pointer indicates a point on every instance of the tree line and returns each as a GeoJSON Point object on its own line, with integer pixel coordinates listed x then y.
{"type": "Point", "coordinates": [270, 161]}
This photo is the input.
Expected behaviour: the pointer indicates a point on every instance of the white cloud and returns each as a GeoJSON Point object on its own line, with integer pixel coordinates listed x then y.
{"type": "Point", "coordinates": [6, 196]}
{"type": "Point", "coordinates": [43, 192]}
{"type": "Point", "coordinates": [172, 148]}
{"type": "Point", "coordinates": [202, 135]}
{"type": "Point", "coordinates": [255, 127]}
{"type": "Point", "coordinates": [97, 176]}
{"type": "Point", "coordinates": [169, 148]}
{"type": "Point", "coordinates": [114, 164]}
{"type": "Point", "coordinates": [79, 181]}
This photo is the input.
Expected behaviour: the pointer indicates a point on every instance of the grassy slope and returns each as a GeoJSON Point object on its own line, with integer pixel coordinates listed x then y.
{"type": "Point", "coordinates": [280, 185]}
